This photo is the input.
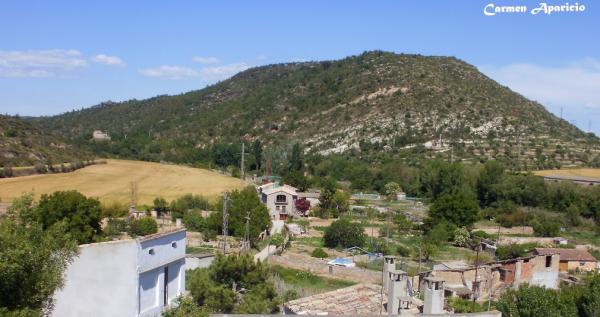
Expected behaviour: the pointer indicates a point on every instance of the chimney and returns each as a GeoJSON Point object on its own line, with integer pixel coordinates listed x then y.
{"type": "Point", "coordinates": [389, 265]}
{"type": "Point", "coordinates": [398, 297]}
{"type": "Point", "coordinates": [434, 296]}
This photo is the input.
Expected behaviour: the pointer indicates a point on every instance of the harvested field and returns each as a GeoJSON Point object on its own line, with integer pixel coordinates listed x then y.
{"type": "Point", "coordinates": [111, 182]}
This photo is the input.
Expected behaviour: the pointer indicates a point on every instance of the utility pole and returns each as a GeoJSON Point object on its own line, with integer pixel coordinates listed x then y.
{"type": "Point", "coordinates": [247, 233]}
{"type": "Point", "coordinates": [476, 282]}
{"type": "Point", "coordinates": [225, 221]}
{"type": "Point", "coordinates": [242, 164]}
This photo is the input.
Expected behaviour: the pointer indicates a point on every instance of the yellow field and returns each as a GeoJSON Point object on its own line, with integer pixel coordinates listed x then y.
{"type": "Point", "coordinates": [586, 172]}
{"type": "Point", "coordinates": [111, 182]}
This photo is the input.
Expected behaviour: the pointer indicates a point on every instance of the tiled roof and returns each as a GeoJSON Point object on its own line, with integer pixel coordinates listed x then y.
{"type": "Point", "coordinates": [567, 254]}
{"type": "Point", "coordinates": [360, 299]}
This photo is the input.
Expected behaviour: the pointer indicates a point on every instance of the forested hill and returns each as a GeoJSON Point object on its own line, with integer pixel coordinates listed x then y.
{"type": "Point", "coordinates": [376, 101]}
{"type": "Point", "coordinates": [22, 144]}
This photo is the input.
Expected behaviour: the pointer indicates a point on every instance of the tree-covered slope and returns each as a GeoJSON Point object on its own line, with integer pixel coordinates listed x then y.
{"type": "Point", "coordinates": [386, 101]}
{"type": "Point", "coordinates": [23, 144]}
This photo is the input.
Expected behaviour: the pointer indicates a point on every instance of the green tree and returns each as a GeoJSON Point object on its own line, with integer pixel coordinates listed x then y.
{"type": "Point", "coordinates": [534, 301]}
{"type": "Point", "coordinates": [240, 202]}
{"type": "Point", "coordinates": [344, 233]}
{"type": "Point", "coordinates": [143, 226]}
{"type": "Point", "coordinates": [80, 215]}
{"type": "Point", "coordinates": [33, 260]}
{"type": "Point", "coordinates": [160, 205]}
{"type": "Point", "coordinates": [459, 209]}
{"type": "Point", "coordinates": [234, 284]}
{"type": "Point", "coordinates": [258, 154]}
{"type": "Point", "coordinates": [391, 190]}
{"type": "Point", "coordinates": [489, 177]}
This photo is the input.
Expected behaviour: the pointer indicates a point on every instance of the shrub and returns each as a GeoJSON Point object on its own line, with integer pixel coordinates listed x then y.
{"type": "Point", "coordinates": [319, 253]}
{"type": "Point", "coordinates": [512, 251]}
{"type": "Point", "coordinates": [481, 234]}
{"type": "Point", "coordinates": [345, 234]}
{"type": "Point", "coordinates": [402, 251]}
{"type": "Point", "coordinates": [114, 210]}
{"type": "Point", "coordinates": [115, 227]}
{"type": "Point", "coordinates": [463, 306]}
{"type": "Point", "coordinates": [143, 226]}
{"type": "Point", "coordinates": [193, 221]}
{"type": "Point", "coordinates": [545, 227]}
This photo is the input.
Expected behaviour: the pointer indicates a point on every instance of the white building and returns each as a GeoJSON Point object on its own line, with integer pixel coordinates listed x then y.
{"type": "Point", "coordinates": [98, 135]}
{"type": "Point", "coordinates": [135, 277]}
{"type": "Point", "coordinates": [280, 200]}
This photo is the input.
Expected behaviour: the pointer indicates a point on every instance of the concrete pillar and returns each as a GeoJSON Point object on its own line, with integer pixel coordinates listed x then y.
{"type": "Point", "coordinates": [178, 223]}
{"type": "Point", "coordinates": [433, 296]}
{"type": "Point", "coordinates": [398, 289]}
{"type": "Point", "coordinates": [389, 265]}
{"type": "Point", "coordinates": [517, 280]}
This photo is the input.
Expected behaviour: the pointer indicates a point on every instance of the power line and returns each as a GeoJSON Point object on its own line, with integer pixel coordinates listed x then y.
{"type": "Point", "coordinates": [225, 221]}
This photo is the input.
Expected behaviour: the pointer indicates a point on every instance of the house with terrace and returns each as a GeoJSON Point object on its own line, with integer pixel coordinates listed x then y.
{"type": "Point", "coordinates": [279, 199]}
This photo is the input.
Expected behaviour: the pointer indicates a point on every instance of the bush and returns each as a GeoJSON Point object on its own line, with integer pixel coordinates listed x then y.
{"type": "Point", "coordinates": [319, 253]}
{"type": "Point", "coordinates": [512, 251]}
{"type": "Point", "coordinates": [143, 226]}
{"type": "Point", "coordinates": [345, 234]}
{"type": "Point", "coordinates": [402, 251]}
{"type": "Point", "coordinates": [114, 210]}
{"type": "Point", "coordinates": [545, 227]}
{"type": "Point", "coordinates": [463, 306]}
{"type": "Point", "coordinates": [481, 234]}
{"type": "Point", "coordinates": [193, 221]}
{"type": "Point", "coordinates": [115, 227]}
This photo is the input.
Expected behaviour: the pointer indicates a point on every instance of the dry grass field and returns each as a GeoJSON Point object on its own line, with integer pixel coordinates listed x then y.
{"type": "Point", "coordinates": [111, 182]}
{"type": "Point", "coordinates": [586, 172]}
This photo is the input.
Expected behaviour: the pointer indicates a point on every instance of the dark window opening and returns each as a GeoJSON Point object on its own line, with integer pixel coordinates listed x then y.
{"type": "Point", "coordinates": [166, 287]}
{"type": "Point", "coordinates": [548, 260]}
{"type": "Point", "coordinates": [281, 199]}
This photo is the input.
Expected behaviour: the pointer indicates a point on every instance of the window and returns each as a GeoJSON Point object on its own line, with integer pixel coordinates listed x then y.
{"type": "Point", "coordinates": [151, 251]}
{"type": "Point", "coordinates": [174, 244]}
{"type": "Point", "coordinates": [548, 260]}
{"type": "Point", "coordinates": [277, 208]}
{"type": "Point", "coordinates": [281, 199]}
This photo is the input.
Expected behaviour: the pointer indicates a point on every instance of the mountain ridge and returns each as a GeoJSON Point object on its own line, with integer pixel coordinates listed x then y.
{"type": "Point", "coordinates": [391, 100]}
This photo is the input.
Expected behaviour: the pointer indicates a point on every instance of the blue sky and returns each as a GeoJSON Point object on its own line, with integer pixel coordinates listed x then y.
{"type": "Point", "coordinates": [61, 55]}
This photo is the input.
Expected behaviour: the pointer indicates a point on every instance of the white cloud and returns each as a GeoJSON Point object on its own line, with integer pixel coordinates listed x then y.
{"type": "Point", "coordinates": [574, 85]}
{"type": "Point", "coordinates": [170, 72]}
{"type": "Point", "coordinates": [108, 60]}
{"type": "Point", "coordinates": [261, 57]}
{"type": "Point", "coordinates": [223, 72]}
{"type": "Point", "coordinates": [205, 59]}
{"type": "Point", "coordinates": [39, 63]}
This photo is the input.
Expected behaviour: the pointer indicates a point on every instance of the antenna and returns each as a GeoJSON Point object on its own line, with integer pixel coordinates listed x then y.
{"type": "Point", "coordinates": [242, 164]}
{"type": "Point", "coordinates": [561, 113]}
{"type": "Point", "coordinates": [225, 221]}
{"type": "Point", "coordinates": [133, 193]}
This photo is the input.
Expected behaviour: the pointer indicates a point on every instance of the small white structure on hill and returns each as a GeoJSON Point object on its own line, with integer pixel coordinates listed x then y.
{"type": "Point", "coordinates": [98, 135]}
{"type": "Point", "coordinates": [134, 277]}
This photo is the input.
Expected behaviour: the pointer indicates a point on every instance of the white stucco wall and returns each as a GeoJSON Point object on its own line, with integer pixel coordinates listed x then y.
{"type": "Point", "coordinates": [122, 278]}
{"type": "Point", "coordinates": [101, 281]}
{"type": "Point", "coordinates": [167, 251]}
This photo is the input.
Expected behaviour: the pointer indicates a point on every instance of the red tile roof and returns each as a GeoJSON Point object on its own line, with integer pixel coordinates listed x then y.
{"type": "Point", "coordinates": [567, 254]}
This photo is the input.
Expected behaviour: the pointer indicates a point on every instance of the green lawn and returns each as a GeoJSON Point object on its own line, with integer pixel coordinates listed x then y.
{"type": "Point", "coordinates": [306, 280]}
{"type": "Point", "coordinates": [310, 241]}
